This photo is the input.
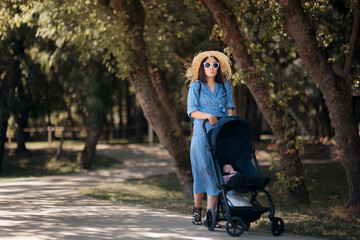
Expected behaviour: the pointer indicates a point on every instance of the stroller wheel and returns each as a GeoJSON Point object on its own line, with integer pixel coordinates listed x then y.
{"type": "Point", "coordinates": [210, 219]}
{"type": "Point", "coordinates": [236, 228]}
{"type": "Point", "coordinates": [277, 226]}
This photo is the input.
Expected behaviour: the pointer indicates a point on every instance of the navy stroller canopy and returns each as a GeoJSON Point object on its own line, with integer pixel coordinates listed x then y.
{"type": "Point", "coordinates": [231, 140]}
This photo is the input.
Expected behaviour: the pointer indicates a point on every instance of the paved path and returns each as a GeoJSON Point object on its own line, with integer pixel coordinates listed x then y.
{"type": "Point", "coordinates": [51, 207]}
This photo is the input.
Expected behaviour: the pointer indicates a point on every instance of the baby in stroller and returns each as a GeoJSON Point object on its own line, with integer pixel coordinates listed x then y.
{"type": "Point", "coordinates": [228, 172]}
{"type": "Point", "coordinates": [232, 198]}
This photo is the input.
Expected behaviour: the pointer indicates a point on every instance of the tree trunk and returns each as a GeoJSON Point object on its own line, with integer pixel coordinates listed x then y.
{"type": "Point", "coordinates": [120, 97]}
{"type": "Point", "coordinates": [88, 152]}
{"type": "Point", "coordinates": [323, 130]}
{"type": "Point", "coordinates": [21, 114]}
{"type": "Point", "coordinates": [253, 116]}
{"type": "Point", "coordinates": [7, 92]}
{"type": "Point", "coordinates": [20, 140]}
{"type": "Point", "coordinates": [64, 104]}
{"type": "Point", "coordinates": [275, 116]}
{"type": "Point", "coordinates": [72, 124]}
{"type": "Point", "coordinates": [352, 44]}
{"type": "Point", "coordinates": [112, 124]}
{"type": "Point", "coordinates": [3, 128]}
{"type": "Point", "coordinates": [139, 125]}
{"type": "Point", "coordinates": [106, 130]}
{"type": "Point", "coordinates": [129, 112]}
{"type": "Point", "coordinates": [60, 148]}
{"type": "Point", "coordinates": [246, 107]}
{"type": "Point", "coordinates": [240, 99]}
{"type": "Point", "coordinates": [158, 109]}
{"type": "Point", "coordinates": [121, 111]}
{"type": "Point", "coordinates": [337, 93]}
{"type": "Point", "coordinates": [99, 98]}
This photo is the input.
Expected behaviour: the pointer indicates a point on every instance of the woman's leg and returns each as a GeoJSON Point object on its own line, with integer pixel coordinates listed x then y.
{"type": "Point", "coordinates": [198, 199]}
{"type": "Point", "coordinates": [197, 209]}
{"type": "Point", "coordinates": [211, 201]}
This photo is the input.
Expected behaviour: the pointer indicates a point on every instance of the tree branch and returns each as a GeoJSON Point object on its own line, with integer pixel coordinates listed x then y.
{"type": "Point", "coordinates": [181, 59]}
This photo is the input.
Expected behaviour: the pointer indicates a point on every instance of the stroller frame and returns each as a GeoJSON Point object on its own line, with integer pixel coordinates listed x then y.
{"type": "Point", "coordinates": [239, 218]}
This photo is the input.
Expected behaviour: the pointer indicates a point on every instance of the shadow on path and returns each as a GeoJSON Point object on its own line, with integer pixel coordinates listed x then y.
{"type": "Point", "coordinates": [51, 208]}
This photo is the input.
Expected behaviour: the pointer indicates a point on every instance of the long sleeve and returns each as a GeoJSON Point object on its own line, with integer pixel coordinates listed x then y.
{"type": "Point", "coordinates": [229, 94]}
{"type": "Point", "coordinates": [193, 103]}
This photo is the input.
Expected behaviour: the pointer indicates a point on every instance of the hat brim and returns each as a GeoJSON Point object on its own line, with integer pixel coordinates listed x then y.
{"type": "Point", "coordinates": [224, 61]}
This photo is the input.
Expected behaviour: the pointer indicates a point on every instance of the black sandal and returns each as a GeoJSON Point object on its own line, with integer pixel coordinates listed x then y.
{"type": "Point", "coordinates": [197, 216]}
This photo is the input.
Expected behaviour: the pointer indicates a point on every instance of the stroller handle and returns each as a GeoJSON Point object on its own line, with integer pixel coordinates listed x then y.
{"type": "Point", "coordinates": [203, 125]}
{"type": "Point", "coordinates": [207, 136]}
{"type": "Point", "coordinates": [204, 129]}
{"type": "Point", "coordinates": [211, 149]}
{"type": "Point", "coordinates": [205, 121]}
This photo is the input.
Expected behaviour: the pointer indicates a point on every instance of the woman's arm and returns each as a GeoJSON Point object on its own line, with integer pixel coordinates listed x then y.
{"type": "Point", "coordinates": [230, 99]}
{"type": "Point", "coordinates": [201, 115]}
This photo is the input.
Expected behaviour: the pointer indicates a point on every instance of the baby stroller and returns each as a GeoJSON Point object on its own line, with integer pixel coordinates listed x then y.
{"type": "Point", "coordinates": [229, 142]}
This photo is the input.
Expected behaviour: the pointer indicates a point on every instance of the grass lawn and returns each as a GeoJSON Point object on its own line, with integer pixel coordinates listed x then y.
{"type": "Point", "coordinates": [43, 162]}
{"type": "Point", "coordinates": [324, 218]}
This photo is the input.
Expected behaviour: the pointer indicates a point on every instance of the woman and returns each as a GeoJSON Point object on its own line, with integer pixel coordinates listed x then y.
{"type": "Point", "coordinates": [210, 96]}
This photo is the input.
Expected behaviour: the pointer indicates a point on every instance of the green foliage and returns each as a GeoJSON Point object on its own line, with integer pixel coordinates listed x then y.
{"type": "Point", "coordinates": [284, 183]}
{"type": "Point", "coordinates": [280, 68]}
{"type": "Point", "coordinates": [356, 85]}
{"type": "Point", "coordinates": [98, 88]}
{"type": "Point", "coordinates": [17, 42]}
{"type": "Point", "coordinates": [169, 32]}
{"type": "Point", "coordinates": [174, 32]}
{"type": "Point", "coordinates": [86, 26]}
{"type": "Point", "coordinates": [68, 39]}
{"type": "Point", "coordinates": [63, 37]}
{"type": "Point", "coordinates": [274, 55]}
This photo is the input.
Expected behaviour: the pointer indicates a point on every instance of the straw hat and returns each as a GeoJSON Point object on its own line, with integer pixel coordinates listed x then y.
{"type": "Point", "coordinates": [193, 69]}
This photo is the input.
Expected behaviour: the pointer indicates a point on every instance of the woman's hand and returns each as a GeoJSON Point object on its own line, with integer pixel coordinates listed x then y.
{"type": "Point", "coordinates": [201, 115]}
{"type": "Point", "coordinates": [212, 119]}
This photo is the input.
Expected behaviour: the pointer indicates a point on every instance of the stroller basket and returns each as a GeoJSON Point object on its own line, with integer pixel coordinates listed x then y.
{"type": "Point", "coordinates": [249, 214]}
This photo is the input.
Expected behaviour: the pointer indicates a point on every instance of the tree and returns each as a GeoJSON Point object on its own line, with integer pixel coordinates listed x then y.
{"type": "Point", "coordinates": [81, 24]}
{"type": "Point", "coordinates": [31, 82]}
{"type": "Point", "coordinates": [98, 85]}
{"type": "Point", "coordinates": [148, 82]}
{"type": "Point", "coordinates": [12, 75]}
{"type": "Point", "coordinates": [11, 46]}
{"type": "Point", "coordinates": [336, 90]}
{"type": "Point", "coordinates": [274, 113]}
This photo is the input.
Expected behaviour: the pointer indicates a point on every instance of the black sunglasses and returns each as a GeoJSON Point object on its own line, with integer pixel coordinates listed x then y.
{"type": "Point", "coordinates": [215, 65]}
